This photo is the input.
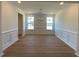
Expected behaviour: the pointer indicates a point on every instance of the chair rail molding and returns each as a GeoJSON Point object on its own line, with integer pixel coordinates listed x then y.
{"type": "Point", "coordinates": [69, 37]}
{"type": "Point", "coordinates": [9, 37]}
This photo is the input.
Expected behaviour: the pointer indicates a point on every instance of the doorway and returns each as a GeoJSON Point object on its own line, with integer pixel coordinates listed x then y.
{"type": "Point", "coordinates": [20, 24]}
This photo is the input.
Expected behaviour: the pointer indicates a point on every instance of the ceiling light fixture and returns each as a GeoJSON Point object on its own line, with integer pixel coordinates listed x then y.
{"type": "Point", "coordinates": [61, 3]}
{"type": "Point", "coordinates": [19, 1]}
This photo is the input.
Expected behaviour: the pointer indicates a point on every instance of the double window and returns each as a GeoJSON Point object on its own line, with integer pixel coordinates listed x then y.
{"type": "Point", "coordinates": [49, 23]}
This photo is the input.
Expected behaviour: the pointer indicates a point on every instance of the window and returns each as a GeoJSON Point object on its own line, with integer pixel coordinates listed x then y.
{"type": "Point", "coordinates": [30, 23]}
{"type": "Point", "coordinates": [49, 23]}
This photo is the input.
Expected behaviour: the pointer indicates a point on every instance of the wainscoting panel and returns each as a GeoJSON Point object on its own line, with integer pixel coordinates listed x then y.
{"type": "Point", "coordinates": [70, 38]}
{"type": "Point", "coordinates": [9, 37]}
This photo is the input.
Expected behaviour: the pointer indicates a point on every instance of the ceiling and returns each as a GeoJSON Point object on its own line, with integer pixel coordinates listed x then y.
{"type": "Point", "coordinates": [47, 7]}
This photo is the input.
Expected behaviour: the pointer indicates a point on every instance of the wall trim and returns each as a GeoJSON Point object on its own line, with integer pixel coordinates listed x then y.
{"type": "Point", "coordinates": [10, 44]}
{"type": "Point", "coordinates": [71, 31]}
{"type": "Point", "coordinates": [61, 38]}
{"type": "Point", "coordinates": [20, 11]}
{"type": "Point", "coordinates": [67, 31]}
{"type": "Point", "coordinates": [64, 41]}
{"type": "Point", "coordinates": [9, 30]}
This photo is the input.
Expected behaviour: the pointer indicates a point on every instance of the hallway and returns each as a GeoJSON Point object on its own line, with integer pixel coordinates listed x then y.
{"type": "Point", "coordinates": [39, 46]}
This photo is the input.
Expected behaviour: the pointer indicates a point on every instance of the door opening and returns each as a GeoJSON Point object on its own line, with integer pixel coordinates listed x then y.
{"type": "Point", "coordinates": [20, 24]}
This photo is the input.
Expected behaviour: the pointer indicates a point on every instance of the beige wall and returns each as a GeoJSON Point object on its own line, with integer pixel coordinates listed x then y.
{"type": "Point", "coordinates": [9, 24]}
{"type": "Point", "coordinates": [68, 18]}
{"type": "Point", "coordinates": [66, 27]}
{"type": "Point", "coordinates": [0, 33]}
{"type": "Point", "coordinates": [9, 16]}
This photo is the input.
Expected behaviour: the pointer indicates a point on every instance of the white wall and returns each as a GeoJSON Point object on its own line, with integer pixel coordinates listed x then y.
{"type": "Point", "coordinates": [0, 33]}
{"type": "Point", "coordinates": [39, 24]}
{"type": "Point", "coordinates": [9, 24]}
{"type": "Point", "coordinates": [66, 27]}
{"type": "Point", "coordinates": [77, 53]}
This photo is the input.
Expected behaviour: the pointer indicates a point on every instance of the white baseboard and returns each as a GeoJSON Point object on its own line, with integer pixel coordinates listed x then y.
{"type": "Point", "coordinates": [64, 41]}
{"type": "Point", "coordinates": [8, 45]}
{"type": "Point", "coordinates": [1, 54]}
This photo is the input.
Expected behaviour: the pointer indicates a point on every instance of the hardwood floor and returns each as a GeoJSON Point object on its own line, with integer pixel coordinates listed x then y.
{"type": "Point", "coordinates": [39, 46]}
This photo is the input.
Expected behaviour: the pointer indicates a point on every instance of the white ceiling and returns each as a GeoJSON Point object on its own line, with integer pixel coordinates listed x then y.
{"type": "Point", "coordinates": [47, 7]}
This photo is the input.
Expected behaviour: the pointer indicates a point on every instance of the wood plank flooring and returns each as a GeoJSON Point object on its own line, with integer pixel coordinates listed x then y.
{"type": "Point", "coordinates": [39, 46]}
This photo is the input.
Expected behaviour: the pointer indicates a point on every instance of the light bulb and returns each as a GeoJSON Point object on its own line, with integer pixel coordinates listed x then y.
{"type": "Point", "coordinates": [19, 1]}
{"type": "Point", "coordinates": [61, 3]}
